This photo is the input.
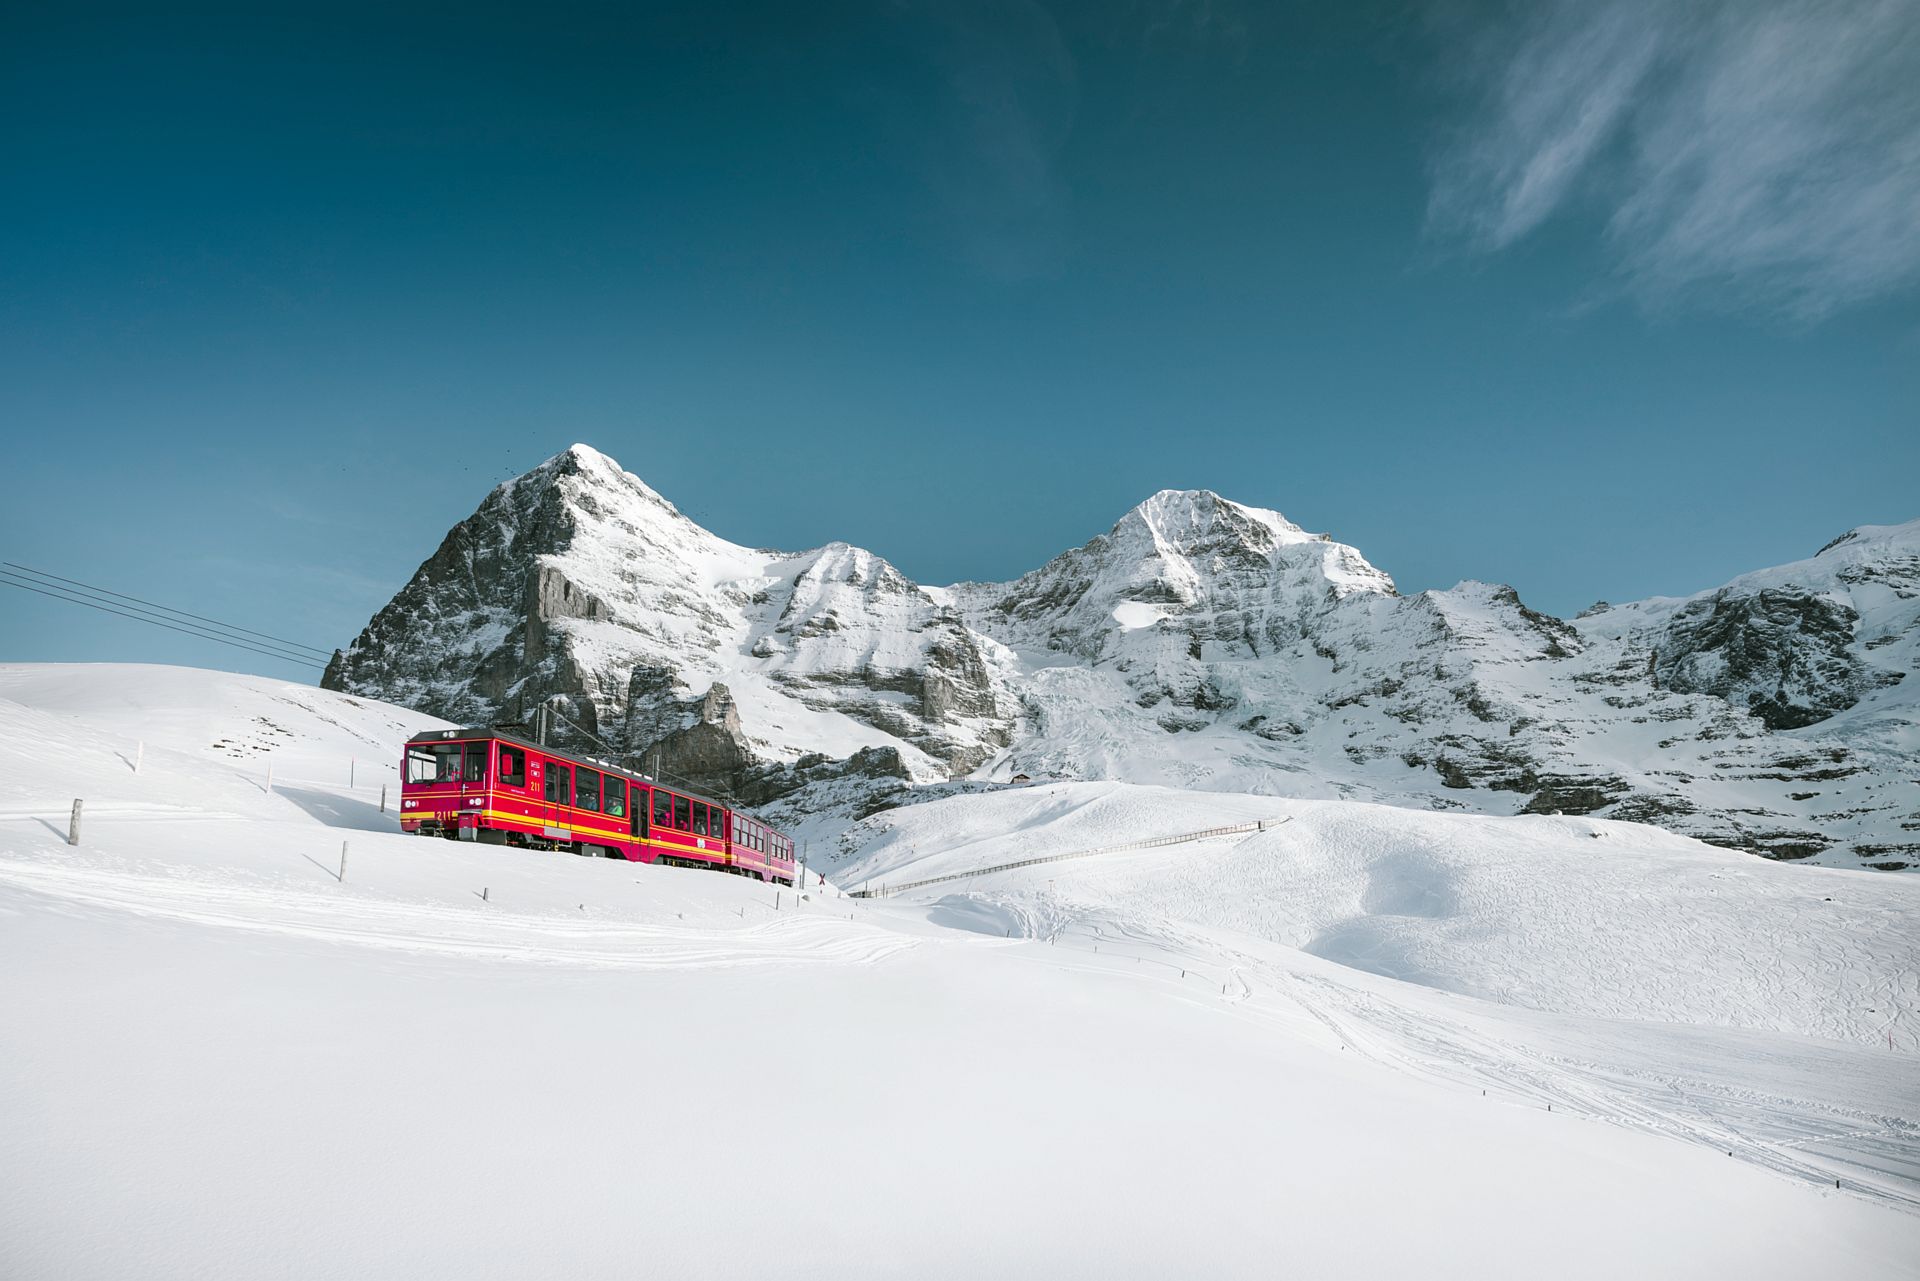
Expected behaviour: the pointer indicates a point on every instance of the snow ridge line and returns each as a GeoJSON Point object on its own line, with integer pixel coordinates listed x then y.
{"type": "Point", "coordinates": [1151, 842]}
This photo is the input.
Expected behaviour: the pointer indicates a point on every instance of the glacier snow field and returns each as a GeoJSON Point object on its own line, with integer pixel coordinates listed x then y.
{"type": "Point", "coordinates": [1363, 1041]}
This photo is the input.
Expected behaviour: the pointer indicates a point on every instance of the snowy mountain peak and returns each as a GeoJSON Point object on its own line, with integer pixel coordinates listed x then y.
{"type": "Point", "coordinates": [595, 483]}
{"type": "Point", "coordinates": [1879, 537]}
{"type": "Point", "coordinates": [1181, 540]}
{"type": "Point", "coordinates": [1184, 515]}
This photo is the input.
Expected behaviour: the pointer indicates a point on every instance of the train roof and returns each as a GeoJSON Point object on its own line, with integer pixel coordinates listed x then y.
{"type": "Point", "coordinates": [484, 731]}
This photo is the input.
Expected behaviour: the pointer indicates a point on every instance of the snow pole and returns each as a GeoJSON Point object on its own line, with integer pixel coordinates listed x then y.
{"type": "Point", "coordinates": [269, 773]}
{"type": "Point", "coordinates": [343, 863]}
{"type": "Point", "coordinates": [353, 764]}
{"type": "Point", "coordinates": [383, 798]}
{"type": "Point", "coordinates": [73, 825]}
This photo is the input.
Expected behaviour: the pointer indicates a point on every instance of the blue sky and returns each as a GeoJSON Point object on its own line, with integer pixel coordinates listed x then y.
{"type": "Point", "coordinates": [1601, 300]}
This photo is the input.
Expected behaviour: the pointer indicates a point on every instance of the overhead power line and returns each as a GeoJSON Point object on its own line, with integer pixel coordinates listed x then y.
{"type": "Point", "coordinates": [301, 660]}
{"type": "Point", "coordinates": [90, 589]}
{"type": "Point", "coordinates": [658, 773]}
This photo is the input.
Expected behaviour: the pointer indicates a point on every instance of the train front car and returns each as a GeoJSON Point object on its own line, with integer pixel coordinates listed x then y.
{"type": "Point", "coordinates": [443, 783]}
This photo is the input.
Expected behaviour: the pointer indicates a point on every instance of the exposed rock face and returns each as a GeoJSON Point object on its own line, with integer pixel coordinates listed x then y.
{"type": "Point", "coordinates": [712, 754]}
{"type": "Point", "coordinates": [1783, 653]}
{"type": "Point", "coordinates": [1199, 642]}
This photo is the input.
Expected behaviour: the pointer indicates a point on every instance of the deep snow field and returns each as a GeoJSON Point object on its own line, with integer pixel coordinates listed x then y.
{"type": "Point", "coordinates": [1324, 1049]}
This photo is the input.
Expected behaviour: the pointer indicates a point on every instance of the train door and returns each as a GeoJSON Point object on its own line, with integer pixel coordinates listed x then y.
{"type": "Point", "coordinates": [662, 814]}
{"type": "Point", "coordinates": [510, 782]}
{"type": "Point", "coordinates": [639, 814]}
{"type": "Point", "coordinates": [557, 801]}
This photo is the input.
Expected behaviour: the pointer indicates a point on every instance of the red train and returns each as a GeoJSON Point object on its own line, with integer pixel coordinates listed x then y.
{"type": "Point", "coordinates": [486, 785]}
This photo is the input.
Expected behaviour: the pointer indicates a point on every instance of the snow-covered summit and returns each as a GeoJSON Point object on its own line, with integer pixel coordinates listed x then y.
{"type": "Point", "coordinates": [1245, 574]}
{"type": "Point", "coordinates": [1199, 642]}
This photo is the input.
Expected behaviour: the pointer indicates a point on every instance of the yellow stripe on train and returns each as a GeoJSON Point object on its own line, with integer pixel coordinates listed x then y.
{"type": "Point", "coordinates": [717, 849]}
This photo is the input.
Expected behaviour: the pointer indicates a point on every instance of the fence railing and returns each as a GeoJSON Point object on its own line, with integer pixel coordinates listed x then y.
{"type": "Point", "coordinates": [1147, 843]}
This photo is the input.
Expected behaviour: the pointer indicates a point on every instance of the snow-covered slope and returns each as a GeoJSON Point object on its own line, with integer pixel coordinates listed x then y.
{"type": "Point", "coordinates": [221, 1059]}
{"type": "Point", "coordinates": [1199, 643]}
{"type": "Point", "coordinates": [1578, 915]}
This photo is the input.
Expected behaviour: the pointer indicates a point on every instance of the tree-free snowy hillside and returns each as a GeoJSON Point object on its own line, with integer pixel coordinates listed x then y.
{"type": "Point", "coordinates": [1328, 1050]}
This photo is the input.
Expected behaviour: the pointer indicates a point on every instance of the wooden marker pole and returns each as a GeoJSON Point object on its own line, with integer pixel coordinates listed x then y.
{"type": "Point", "coordinates": [383, 798]}
{"type": "Point", "coordinates": [343, 862]}
{"type": "Point", "coordinates": [73, 827]}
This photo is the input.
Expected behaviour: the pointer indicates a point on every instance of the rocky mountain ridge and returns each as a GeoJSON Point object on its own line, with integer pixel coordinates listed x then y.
{"type": "Point", "coordinates": [1200, 642]}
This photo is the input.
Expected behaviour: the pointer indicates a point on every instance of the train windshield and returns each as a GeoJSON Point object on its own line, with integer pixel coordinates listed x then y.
{"type": "Point", "coordinates": [434, 762]}
{"type": "Point", "coordinates": [446, 762]}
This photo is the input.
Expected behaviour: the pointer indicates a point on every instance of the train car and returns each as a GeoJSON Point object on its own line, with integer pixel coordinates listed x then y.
{"type": "Point", "coordinates": [488, 785]}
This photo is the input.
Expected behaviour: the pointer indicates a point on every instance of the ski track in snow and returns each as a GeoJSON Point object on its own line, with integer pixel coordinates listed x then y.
{"type": "Point", "coordinates": [436, 929]}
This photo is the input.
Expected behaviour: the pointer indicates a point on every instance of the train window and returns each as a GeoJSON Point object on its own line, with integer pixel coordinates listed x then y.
{"type": "Point", "coordinates": [586, 789]}
{"type": "Point", "coordinates": [682, 814]}
{"type": "Point", "coordinates": [513, 767]}
{"type": "Point", "coordinates": [559, 783]}
{"type": "Point", "coordinates": [699, 819]}
{"type": "Point", "coordinates": [616, 796]}
{"type": "Point", "coordinates": [662, 808]}
{"type": "Point", "coordinates": [476, 767]}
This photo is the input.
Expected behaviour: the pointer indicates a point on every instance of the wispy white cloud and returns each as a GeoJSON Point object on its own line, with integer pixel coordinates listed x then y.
{"type": "Point", "coordinates": [1741, 152]}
